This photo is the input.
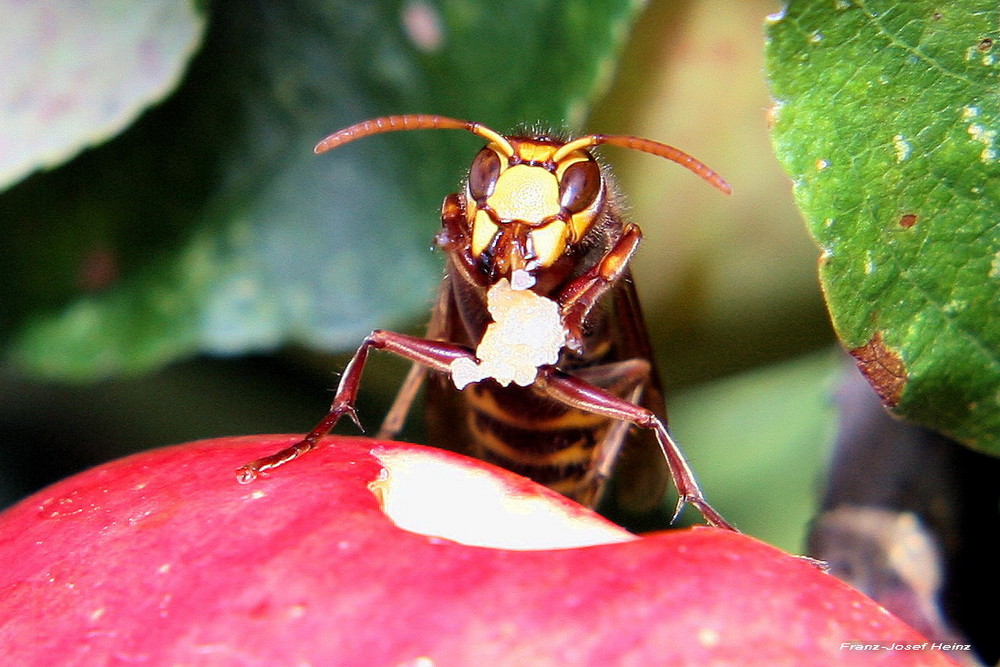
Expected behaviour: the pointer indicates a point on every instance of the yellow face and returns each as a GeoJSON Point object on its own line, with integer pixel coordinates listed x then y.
{"type": "Point", "coordinates": [527, 209]}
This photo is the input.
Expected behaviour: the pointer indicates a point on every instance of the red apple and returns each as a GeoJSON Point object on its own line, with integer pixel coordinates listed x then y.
{"type": "Point", "coordinates": [163, 558]}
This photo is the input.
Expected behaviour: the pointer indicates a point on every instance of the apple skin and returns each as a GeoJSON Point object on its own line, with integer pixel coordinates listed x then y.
{"type": "Point", "coordinates": [163, 558]}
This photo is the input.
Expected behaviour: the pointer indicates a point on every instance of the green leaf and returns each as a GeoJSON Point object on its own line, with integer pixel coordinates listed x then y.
{"type": "Point", "coordinates": [211, 226]}
{"type": "Point", "coordinates": [78, 73]}
{"type": "Point", "coordinates": [886, 118]}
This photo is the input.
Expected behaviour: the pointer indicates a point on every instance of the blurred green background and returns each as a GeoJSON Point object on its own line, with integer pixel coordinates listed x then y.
{"type": "Point", "coordinates": [728, 283]}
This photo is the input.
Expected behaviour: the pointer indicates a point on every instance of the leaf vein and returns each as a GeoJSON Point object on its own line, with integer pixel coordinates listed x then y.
{"type": "Point", "coordinates": [991, 356]}
{"type": "Point", "coordinates": [915, 51]}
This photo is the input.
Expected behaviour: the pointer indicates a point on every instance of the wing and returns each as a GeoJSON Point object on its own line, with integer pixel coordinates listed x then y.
{"type": "Point", "coordinates": [641, 474]}
{"type": "Point", "coordinates": [446, 409]}
{"type": "Point", "coordinates": [395, 418]}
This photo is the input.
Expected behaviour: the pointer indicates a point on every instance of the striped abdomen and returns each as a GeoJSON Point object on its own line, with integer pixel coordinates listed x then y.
{"type": "Point", "coordinates": [520, 429]}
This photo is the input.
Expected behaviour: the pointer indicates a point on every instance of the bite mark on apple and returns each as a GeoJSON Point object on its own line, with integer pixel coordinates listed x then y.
{"type": "Point", "coordinates": [444, 495]}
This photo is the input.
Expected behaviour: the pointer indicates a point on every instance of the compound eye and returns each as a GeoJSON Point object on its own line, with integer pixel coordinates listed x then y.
{"type": "Point", "coordinates": [580, 185]}
{"type": "Point", "coordinates": [483, 174]}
